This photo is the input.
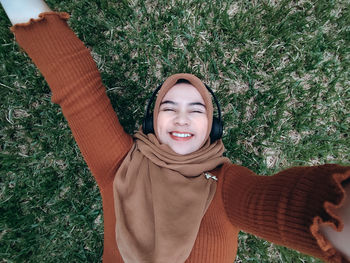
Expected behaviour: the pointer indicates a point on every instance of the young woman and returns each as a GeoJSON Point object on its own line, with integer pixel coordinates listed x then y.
{"type": "Point", "coordinates": [168, 193]}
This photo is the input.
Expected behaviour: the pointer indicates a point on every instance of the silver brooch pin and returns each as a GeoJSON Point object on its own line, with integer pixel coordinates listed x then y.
{"type": "Point", "coordinates": [208, 176]}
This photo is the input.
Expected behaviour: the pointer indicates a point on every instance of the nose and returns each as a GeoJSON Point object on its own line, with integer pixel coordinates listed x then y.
{"type": "Point", "coordinates": [182, 119]}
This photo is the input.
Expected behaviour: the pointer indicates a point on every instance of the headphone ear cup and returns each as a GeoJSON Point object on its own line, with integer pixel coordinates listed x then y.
{"type": "Point", "coordinates": [147, 126]}
{"type": "Point", "coordinates": [216, 130]}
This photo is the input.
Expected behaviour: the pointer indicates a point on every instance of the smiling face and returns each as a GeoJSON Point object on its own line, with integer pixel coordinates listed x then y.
{"type": "Point", "coordinates": [182, 121]}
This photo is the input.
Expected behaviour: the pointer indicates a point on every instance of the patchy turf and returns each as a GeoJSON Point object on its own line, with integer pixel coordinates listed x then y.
{"type": "Point", "coordinates": [280, 70]}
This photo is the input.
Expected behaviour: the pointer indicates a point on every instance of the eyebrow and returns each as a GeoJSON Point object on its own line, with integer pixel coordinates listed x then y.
{"type": "Point", "coordinates": [174, 103]}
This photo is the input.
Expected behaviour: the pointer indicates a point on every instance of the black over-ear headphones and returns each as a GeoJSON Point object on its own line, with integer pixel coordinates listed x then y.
{"type": "Point", "coordinates": [216, 128]}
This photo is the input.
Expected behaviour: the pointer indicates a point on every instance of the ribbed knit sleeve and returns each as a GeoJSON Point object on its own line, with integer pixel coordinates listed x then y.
{"type": "Point", "coordinates": [77, 87]}
{"type": "Point", "coordinates": [289, 207]}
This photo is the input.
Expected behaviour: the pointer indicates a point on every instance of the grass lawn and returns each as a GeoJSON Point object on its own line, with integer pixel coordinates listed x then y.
{"type": "Point", "coordinates": [279, 68]}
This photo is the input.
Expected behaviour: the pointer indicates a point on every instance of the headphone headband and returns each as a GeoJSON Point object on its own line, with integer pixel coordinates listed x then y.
{"type": "Point", "coordinates": [151, 100]}
{"type": "Point", "coordinates": [215, 100]}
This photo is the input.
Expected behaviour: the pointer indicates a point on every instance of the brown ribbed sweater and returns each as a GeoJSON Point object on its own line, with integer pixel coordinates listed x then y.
{"type": "Point", "coordinates": [286, 208]}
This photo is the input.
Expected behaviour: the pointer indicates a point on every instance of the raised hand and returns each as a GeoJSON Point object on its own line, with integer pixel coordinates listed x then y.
{"type": "Point", "coordinates": [21, 11]}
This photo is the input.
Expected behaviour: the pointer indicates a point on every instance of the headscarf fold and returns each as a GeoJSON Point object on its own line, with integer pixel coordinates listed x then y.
{"type": "Point", "coordinates": [160, 198]}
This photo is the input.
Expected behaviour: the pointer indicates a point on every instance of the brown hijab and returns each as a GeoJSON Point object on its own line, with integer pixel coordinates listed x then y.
{"type": "Point", "coordinates": [160, 197]}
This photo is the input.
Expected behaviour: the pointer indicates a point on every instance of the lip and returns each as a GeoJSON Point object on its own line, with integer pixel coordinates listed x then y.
{"type": "Point", "coordinates": [180, 138]}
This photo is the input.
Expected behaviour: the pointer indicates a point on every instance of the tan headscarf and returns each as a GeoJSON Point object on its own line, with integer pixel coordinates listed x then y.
{"type": "Point", "coordinates": [160, 196]}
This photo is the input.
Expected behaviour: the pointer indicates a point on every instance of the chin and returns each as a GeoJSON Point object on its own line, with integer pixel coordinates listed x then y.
{"type": "Point", "coordinates": [182, 151]}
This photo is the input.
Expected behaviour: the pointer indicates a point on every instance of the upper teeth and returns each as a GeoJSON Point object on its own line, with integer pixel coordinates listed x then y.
{"type": "Point", "coordinates": [181, 134]}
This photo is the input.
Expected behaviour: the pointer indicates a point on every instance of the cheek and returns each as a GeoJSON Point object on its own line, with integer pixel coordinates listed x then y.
{"type": "Point", "coordinates": [161, 122]}
{"type": "Point", "coordinates": [202, 124]}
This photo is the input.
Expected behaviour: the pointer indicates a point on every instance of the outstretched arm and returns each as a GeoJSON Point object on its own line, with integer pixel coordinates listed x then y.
{"type": "Point", "coordinates": [291, 207]}
{"type": "Point", "coordinates": [76, 86]}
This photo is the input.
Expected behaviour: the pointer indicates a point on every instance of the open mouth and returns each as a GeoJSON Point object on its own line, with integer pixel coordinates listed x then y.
{"type": "Point", "coordinates": [181, 136]}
